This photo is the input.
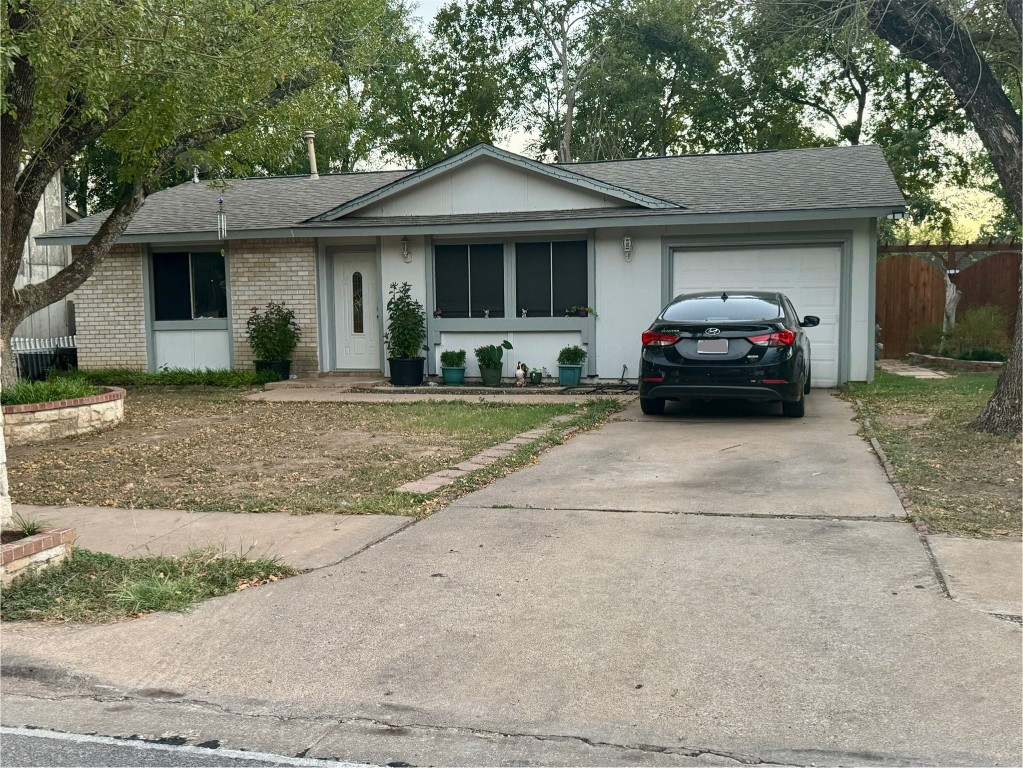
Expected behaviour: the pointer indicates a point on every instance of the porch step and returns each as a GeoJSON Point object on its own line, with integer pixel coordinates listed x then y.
{"type": "Point", "coordinates": [332, 379]}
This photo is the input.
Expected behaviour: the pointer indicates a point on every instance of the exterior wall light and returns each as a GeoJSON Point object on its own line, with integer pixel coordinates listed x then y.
{"type": "Point", "coordinates": [406, 255]}
{"type": "Point", "coordinates": [627, 248]}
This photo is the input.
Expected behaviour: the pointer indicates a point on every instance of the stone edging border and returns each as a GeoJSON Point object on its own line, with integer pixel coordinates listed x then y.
{"type": "Point", "coordinates": [921, 527]}
{"type": "Point", "coordinates": [915, 358]}
{"type": "Point", "coordinates": [111, 394]}
{"type": "Point", "coordinates": [439, 479]}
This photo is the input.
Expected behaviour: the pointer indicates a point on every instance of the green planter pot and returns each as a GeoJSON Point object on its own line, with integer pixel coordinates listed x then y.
{"type": "Point", "coordinates": [281, 368]}
{"type": "Point", "coordinates": [491, 376]}
{"type": "Point", "coordinates": [453, 377]}
{"type": "Point", "coordinates": [406, 372]}
{"type": "Point", "coordinates": [570, 375]}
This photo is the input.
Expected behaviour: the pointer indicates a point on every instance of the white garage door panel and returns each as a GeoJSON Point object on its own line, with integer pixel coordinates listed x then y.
{"type": "Point", "coordinates": [809, 275]}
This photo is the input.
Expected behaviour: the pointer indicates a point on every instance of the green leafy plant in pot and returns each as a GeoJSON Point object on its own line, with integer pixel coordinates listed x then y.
{"type": "Point", "coordinates": [570, 365]}
{"type": "Point", "coordinates": [273, 336]}
{"type": "Point", "coordinates": [406, 332]}
{"type": "Point", "coordinates": [491, 360]}
{"type": "Point", "coordinates": [452, 367]}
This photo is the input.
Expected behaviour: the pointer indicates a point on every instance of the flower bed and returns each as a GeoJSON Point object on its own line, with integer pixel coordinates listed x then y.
{"type": "Point", "coordinates": [39, 422]}
{"type": "Point", "coordinates": [915, 358]}
{"type": "Point", "coordinates": [34, 552]}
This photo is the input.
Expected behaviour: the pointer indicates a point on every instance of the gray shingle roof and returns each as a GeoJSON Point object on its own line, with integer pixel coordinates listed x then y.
{"type": "Point", "coordinates": [797, 179]}
{"type": "Point", "coordinates": [791, 180]}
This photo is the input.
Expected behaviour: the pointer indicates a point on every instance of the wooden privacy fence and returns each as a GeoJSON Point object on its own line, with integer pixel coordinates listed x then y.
{"type": "Point", "coordinates": [911, 288]}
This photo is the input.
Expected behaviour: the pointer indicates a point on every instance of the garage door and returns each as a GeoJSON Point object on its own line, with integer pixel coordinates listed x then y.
{"type": "Point", "coordinates": [809, 275]}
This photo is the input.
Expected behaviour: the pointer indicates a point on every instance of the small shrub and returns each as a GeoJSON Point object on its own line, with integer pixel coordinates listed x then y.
{"type": "Point", "coordinates": [492, 355]}
{"type": "Point", "coordinates": [406, 324]}
{"type": "Point", "coordinates": [987, 355]}
{"type": "Point", "coordinates": [58, 388]}
{"type": "Point", "coordinates": [927, 338]}
{"type": "Point", "coordinates": [26, 526]}
{"type": "Point", "coordinates": [453, 358]}
{"type": "Point", "coordinates": [572, 355]}
{"type": "Point", "coordinates": [985, 327]}
{"type": "Point", "coordinates": [131, 377]}
{"type": "Point", "coordinates": [273, 333]}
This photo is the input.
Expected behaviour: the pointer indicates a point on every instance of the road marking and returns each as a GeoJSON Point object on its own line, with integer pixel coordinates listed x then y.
{"type": "Point", "coordinates": [187, 749]}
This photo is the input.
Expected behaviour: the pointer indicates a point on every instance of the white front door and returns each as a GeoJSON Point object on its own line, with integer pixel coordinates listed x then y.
{"type": "Point", "coordinates": [356, 312]}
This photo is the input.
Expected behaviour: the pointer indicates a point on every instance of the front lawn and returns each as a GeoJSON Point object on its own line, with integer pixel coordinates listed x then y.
{"type": "Point", "coordinates": [960, 480]}
{"type": "Point", "coordinates": [96, 587]}
{"type": "Point", "coordinates": [208, 450]}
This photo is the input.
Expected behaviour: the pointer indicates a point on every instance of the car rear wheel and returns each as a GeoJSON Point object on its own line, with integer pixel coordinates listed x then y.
{"type": "Point", "coordinates": [794, 409]}
{"type": "Point", "coordinates": [652, 406]}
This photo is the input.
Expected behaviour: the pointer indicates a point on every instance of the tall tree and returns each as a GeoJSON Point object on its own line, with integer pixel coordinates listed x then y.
{"type": "Point", "coordinates": [975, 48]}
{"type": "Point", "coordinates": [459, 86]}
{"type": "Point", "coordinates": [157, 83]}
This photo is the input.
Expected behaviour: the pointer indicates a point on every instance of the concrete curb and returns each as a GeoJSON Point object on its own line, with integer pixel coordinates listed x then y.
{"type": "Point", "coordinates": [921, 527]}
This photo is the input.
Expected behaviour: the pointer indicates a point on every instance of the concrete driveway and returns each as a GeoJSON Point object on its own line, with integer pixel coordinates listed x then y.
{"type": "Point", "coordinates": [708, 588]}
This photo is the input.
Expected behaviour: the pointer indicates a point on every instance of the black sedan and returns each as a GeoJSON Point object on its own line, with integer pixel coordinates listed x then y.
{"type": "Point", "coordinates": [747, 345]}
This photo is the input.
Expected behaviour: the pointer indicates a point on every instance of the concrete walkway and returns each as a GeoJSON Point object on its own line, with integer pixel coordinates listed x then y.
{"type": "Point", "coordinates": [900, 368]}
{"type": "Point", "coordinates": [713, 587]}
{"type": "Point", "coordinates": [343, 395]}
{"type": "Point", "coordinates": [301, 541]}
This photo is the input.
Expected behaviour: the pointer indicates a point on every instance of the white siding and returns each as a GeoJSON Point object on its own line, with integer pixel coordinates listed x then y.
{"type": "Point", "coordinates": [487, 186]}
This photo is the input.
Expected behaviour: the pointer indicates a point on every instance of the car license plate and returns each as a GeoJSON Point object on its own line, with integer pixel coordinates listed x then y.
{"type": "Point", "coordinates": [712, 346]}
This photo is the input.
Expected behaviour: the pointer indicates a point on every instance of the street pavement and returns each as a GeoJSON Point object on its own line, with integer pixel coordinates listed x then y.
{"type": "Point", "coordinates": [713, 587]}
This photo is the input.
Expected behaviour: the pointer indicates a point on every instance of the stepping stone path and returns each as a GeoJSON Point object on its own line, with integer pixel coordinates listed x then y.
{"type": "Point", "coordinates": [905, 369]}
{"type": "Point", "coordinates": [447, 476]}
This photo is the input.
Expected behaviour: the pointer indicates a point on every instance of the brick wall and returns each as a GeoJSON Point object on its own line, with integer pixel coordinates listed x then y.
{"type": "Point", "coordinates": [110, 314]}
{"type": "Point", "coordinates": [281, 270]}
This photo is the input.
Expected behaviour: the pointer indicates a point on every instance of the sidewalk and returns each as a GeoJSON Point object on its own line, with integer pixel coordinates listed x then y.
{"type": "Point", "coordinates": [302, 541]}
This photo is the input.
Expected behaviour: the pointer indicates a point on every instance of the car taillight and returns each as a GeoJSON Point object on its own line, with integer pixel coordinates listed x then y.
{"type": "Point", "coordinates": [655, 339]}
{"type": "Point", "coordinates": [777, 339]}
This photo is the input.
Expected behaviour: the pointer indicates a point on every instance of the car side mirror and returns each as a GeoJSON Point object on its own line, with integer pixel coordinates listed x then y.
{"type": "Point", "coordinates": [810, 321]}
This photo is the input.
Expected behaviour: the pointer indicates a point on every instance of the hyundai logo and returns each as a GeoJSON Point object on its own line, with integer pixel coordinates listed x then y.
{"type": "Point", "coordinates": [712, 331]}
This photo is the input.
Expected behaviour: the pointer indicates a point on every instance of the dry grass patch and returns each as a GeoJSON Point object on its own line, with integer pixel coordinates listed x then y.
{"type": "Point", "coordinates": [207, 450]}
{"type": "Point", "coordinates": [960, 480]}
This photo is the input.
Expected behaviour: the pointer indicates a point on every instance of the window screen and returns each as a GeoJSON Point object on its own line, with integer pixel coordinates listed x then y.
{"type": "Point", "coordinates": [551, 278]}
{"type": "Point", "coordinates": [172, 288]}
{"type": "Point", "coordinates": [469, 279]}
{"type": "Point", "coordinates": [188, 286]}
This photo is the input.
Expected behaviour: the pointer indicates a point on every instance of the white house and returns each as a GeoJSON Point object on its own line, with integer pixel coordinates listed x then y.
{"type": "Point", "coordinates": [496, 246]}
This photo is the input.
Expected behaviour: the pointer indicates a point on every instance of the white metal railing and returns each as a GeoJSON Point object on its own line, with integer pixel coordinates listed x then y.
{"type": "Point", "coordinates": [22, 344]}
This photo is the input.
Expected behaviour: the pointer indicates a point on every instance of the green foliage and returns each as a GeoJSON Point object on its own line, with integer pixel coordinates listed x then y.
{"type": "Point", "coordinates": [96, 587]}
{"type": "Point", "coordinates": [927, 338]}
{"type": "Point", "coordinates": [26, 526]}
{"type": "Point", "coordinates": [492, 355]}
{"type": "Point", "coordinates": [273, 333]}
{"type": "Point", "coordinates": [453, 358]}
{"type": "Point", "coordinates": [988, 355]}
{"type": "Point", "coordinates": [201, 377]}
{"type": "Point", "coordinates": [983, 328]}
{"type": "Point", "coordinates": [406, 324]}
{"type": "Point", "coordinates": [62, 388]}
{"type": "Point", "coordinates": [572, 355]}
{"type": "Point", "coordinates": [582, 311]}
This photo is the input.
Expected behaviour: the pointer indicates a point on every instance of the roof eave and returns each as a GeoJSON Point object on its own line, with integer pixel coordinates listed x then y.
{"type": "Point", "coordinates": [525, 225]}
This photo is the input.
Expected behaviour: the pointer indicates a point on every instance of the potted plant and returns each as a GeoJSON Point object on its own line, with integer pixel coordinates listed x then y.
{"type": "Point", "coordinates": [452, 367]}
{"type": "Point", "coordinates": [536, 377]}
{"type": "Point", "coordinates": [570, 365]}
{"type": "Point", "coordinates": [581, 311]}
{"type": "Point", "coordinates": [406, 332]}
{"type": "Point", "coordinates": [491, 360]}
{"type": "Point", "coordinates": [273, 336]}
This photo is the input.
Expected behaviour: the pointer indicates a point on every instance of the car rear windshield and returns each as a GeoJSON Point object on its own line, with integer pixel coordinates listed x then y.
{"type": "Point", "coordinates": [714, 309]}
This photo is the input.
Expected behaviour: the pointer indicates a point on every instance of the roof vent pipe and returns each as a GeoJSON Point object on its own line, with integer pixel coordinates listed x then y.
{"type": "Point", "coordinates": [311, 148]}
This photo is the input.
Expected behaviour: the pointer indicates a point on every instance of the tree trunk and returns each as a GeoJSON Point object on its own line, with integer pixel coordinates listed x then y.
{"type": "Point", "coordinates": [1002, 414]}
{"type": "Point", "coordinates": [923, 31]}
